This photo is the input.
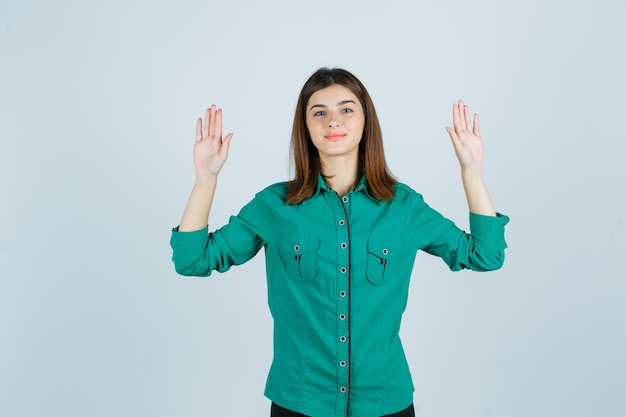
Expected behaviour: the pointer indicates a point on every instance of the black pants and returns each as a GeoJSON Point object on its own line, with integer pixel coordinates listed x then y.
{"type": "Point", "coordinates": [278, 411]}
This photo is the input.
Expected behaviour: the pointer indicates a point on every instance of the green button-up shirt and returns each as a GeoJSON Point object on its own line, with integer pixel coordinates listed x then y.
{"type": "Point", "coordinates": [338, 271]}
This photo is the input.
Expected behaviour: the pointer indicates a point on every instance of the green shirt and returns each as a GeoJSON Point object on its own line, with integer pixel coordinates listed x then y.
{"type": "Point", "coordinates": [338, 271]}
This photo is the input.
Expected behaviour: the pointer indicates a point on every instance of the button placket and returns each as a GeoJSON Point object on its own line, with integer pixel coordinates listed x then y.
{"type": "Point", "coordinates": [342, 297]}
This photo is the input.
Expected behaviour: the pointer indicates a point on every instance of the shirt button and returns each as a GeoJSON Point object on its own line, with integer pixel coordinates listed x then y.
{"type": "Point", "coordinates": [343, 389]}
{"type": "Point", "coordinates": [344, 245]}
{"type": "Point", "coordinates": [343, 270]}
{"type": "Point", "coordinates": [342, 339]}
{"type": "Point", "coordinates": [296, 248]}
{"type": "Point", "coordinates": [342, 222]}
{"type": "Point", "coordinates": [342, 364]}
{"type": "Point", "coordinates": [385, 251]}
{"type": "Point", "coordinates": [342, 294]}
{"type": "Point", "coordinates": [342, 317]}
{"type": "Point", "coordinates": [344, 199]}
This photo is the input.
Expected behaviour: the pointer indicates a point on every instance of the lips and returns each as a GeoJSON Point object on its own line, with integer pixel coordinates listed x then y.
{"type": "Point", "coordinates": [334, 137]}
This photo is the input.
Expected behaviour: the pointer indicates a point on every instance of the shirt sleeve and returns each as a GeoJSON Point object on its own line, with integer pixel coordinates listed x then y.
{"type": "Point", "coordinates": [480, 250]}
{"type": "Point", "coordinates": [199, 253]}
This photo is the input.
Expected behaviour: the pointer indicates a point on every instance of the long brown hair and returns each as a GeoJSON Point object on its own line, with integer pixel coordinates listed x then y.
{"type": "Point", "coordinates": [306, 159]}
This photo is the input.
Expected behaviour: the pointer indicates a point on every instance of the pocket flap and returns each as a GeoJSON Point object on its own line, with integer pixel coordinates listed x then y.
{"type": "Point", "coordinates": [300, 244]}
{"type": "Point", "coordinates": [384, 247]}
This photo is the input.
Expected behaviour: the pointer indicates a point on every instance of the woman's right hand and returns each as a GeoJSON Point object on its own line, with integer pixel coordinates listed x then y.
{"type": "Point", "coordinates": [210, 150]}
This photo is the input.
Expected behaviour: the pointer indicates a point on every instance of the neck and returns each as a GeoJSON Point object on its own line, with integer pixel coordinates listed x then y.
{"type": "Point", "coordinates": [340, 175]}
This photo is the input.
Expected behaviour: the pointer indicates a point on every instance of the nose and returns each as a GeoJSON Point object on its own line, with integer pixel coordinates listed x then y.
{"type": "Point", "coordinates": [334, 119]}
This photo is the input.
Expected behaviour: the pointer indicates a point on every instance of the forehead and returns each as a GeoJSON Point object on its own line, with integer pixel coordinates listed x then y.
{"type": "Point", "coordinates": [332, 95]}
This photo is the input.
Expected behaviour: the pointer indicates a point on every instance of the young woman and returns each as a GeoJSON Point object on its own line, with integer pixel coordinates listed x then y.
{"type": "Point", "coordinates": [340, 240]}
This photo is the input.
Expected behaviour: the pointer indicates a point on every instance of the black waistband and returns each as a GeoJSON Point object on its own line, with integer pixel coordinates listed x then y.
{"type": "Point", "coordinates": [278, 411]}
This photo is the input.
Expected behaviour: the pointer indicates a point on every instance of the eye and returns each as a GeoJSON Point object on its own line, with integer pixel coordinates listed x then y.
{"type": "Point", "coordinates": [346, 110]}
{"type": "Point", "coordinates": [319, 113]}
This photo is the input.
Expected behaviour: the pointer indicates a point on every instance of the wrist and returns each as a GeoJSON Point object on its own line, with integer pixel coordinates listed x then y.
{"type": "Point", "coordinates": [472, 174]}
{"type": "Point", "coordinates": [206, 180]}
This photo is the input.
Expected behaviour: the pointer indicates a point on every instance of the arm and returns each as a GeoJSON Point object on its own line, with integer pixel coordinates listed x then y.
{"type": "Point", "coordinates": [195, 251]}
{"type": "Point", "coordinates": [209, 155]}
{"type": "Point", "coordinates": [480, 250]}
{"type": "Point", "coordinates": [469, 151]}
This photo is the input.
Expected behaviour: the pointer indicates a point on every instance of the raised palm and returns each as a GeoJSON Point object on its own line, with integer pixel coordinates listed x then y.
{"type": "Point", "coordinates": [210, 150]}
{"type": "Point", "coordinates": [465, 137]}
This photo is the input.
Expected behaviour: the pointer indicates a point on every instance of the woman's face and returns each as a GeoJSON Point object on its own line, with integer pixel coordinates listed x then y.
{"type": "Point", "coordinates": [335, 120]}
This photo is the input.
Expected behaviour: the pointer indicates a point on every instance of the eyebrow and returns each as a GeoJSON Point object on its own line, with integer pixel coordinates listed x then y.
{"type": "Point", "coordinates": [341, 103]}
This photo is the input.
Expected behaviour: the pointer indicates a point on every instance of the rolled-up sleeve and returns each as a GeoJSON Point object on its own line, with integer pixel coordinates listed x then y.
{"type": "Point", "coordinates": [480, 250]}
{"type": "Point", "coordinates": [486, 243]}
{"type": "Point", "coordinates": [188, 248]}
{"type": "Point", "coordinates": [199, 253]}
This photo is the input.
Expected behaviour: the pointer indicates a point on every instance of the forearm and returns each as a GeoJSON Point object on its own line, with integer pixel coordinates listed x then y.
{"type": "Point", "coordinates": [196, 214]}
{"type": "Point", "coordinates": [478, 199]}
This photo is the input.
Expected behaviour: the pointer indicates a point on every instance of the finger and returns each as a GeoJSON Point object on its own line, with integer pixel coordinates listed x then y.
{"type": "Point", "coordinates": [456, 118]}
{"type": "Point", "coordinates": [226, 144]}
{"type": "Point", "coordinates": [207, 119]}
{"type": "Point", "coordinates": [218, 124]}
{"type": "Point", "coordinates": [199, 130]}
{"type": "Point", "coordinates": [453, 136]}
{"type": "Point", "coordinates": [466, 116]}
{"type": "Point", "coordinates": [463, 115]}
{"type": "Point", "coordinates": [476, 126]}
{"type": "Point", "coordinates": [212, 122]}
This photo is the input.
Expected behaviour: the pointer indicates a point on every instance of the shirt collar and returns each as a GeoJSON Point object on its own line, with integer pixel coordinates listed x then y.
{"type": "Point", "coordinates": [321, 185]}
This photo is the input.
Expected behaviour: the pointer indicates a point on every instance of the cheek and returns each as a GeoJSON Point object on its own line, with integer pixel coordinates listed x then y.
{"type": "Point", "coordinates": [358, 125]}
{"type": "Point", "coordinates": [312, 126]}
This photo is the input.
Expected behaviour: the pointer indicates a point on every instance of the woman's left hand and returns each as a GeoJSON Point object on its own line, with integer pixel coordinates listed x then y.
{"type": "Point", "coordinates": [466, 140]}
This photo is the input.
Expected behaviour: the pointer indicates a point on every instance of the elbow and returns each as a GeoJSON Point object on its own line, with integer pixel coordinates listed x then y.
{"type": "Point", "coordinates": [183, 270]}
{"type": "Point", "coordinates": [193, 269]}
{"type": "Point", "coordinates": [490, 261]}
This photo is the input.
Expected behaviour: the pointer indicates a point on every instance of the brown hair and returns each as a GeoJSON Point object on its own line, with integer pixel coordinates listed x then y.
{"type": "Point", "coordinates": [306, 160]}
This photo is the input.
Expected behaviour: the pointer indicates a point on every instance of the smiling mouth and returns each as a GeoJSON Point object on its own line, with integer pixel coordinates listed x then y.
{"type": "Point", "coordinates": [335, 137]}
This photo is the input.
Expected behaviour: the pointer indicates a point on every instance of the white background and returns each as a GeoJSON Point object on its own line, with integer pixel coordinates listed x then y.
{"type": "Point", "coordinates": [98, 103]}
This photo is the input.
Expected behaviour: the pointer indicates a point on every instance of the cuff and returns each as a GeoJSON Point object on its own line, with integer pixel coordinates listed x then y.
{"type": "Point", "coordinates": [488, 231]}
{"type": "Point", "coordinates": [188, 244]}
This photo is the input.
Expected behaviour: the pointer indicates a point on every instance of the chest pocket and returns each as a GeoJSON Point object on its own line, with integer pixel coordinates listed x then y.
{"type": "Point", "coordinates": [383, 259]}
{"type": "Point", "coordinates": [300, 254]}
